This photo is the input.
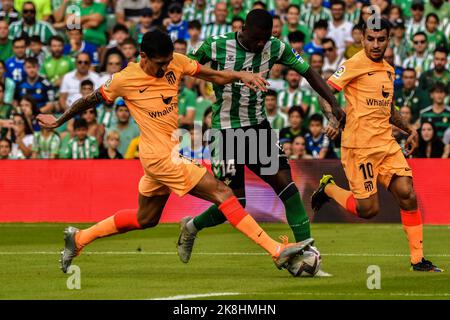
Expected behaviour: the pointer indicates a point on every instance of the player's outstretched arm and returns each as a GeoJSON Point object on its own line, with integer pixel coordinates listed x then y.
{"type": "Point", "coordinates": [397, 120]}
{"type": "Point", "coordinates": [82, 104]}
{"type": "Point", "coordinates": [254, 81]}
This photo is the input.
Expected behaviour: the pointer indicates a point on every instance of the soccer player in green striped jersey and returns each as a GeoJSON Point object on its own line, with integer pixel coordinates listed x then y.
{"type": "Point", "coordinates": [240, 110]}
{"type": "Point", "coordinates": [81, 146]}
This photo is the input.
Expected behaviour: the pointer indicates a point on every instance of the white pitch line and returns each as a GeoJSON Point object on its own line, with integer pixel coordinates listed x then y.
{"type": "Point", "coordinates": [169, 253]}
{"type": "Point", "coordinates": [194, 296]}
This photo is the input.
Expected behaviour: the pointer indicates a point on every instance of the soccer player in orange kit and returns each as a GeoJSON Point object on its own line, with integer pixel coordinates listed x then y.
{"type": "Point", "coordinates": [150, 90]}
{"type": "Point", "coordinates": [370, 153]}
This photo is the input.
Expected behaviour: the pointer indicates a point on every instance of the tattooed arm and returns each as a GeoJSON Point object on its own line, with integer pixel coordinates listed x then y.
{"type": "Point", "coordinates": [397, 120]}
{"type": "Point", "coordinates": [82, 104]}
{"type": "Point", "coordinates": [334, 125]}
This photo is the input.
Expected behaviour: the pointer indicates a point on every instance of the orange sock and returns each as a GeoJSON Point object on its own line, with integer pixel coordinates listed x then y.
{"type": "Point", "coordinates": [412, 224]}
{"type": "Point", "coordinates": [122, 221]}
{"type": "Point", "coordinates": [241, 220]}
{"type": "Point", "coordinates": [343, 197]}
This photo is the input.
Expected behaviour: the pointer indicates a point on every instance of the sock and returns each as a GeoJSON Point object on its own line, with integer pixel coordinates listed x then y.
{"type": "Point", "coordinates": [343, 197]}
{"type": "Point", "coordinates": [297, 218]}
{"type": "Point", "coordinates": [242, 221]}
{"type": "Point", "coordinates": [122, 221]}
{"type": "Point", "coordinates": [190, 226]}
{"type": "Point", "coordinates": [212, 217]}
{"type": "Point", "coordinates": [413, 227]}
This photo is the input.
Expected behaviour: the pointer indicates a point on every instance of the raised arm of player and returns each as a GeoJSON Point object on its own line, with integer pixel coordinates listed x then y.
{"type": "Point", "coordinates": [82, 104]}
{"type": "Point", "coordinates": [254, 81]}
{"type": "Point", "coordinates": [397, 120]}
{"type": "Point", "coordinates": [333, 128]}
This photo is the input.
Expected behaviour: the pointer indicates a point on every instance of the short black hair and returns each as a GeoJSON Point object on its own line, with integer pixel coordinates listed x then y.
{"type": "Point", "coordinates": [410, 69]}
{"type": "Point", "coordinates": [86, 82]}
{"type": "Point", "coordinates": [271, 93]}
{"type": "Point", "coordinates": [317, 53]}
{"type": "Point", "coordinates": [194, 24]}
{"type": "Point", "coordinates": [35, 38]}
{"type": "Point", "coordinates": [180, 41]}
{"type": "Point", "coordinates": [298, 109]}
{"type": "Point", "coordinates": [276, 17]}
{"type": "Point", "coordinates": [21, 38]}
{"type": "Point", "coordinates": [296, 36]}
{"type": "Point", "coordinates": [259, 19]}
{"type": "Point", "coordinates": [32, 60]}
{"type": "Point", "coordinates": [80, 123]}
{"type": "Point", "coordinates": [325, 40]}
{"type": "Point", "coordinates": [337, 2]}
{"type": "Point", "coordinates": [358, 26]}
{"type": "Point", "coordinates": [260, 3]}
{"type": "Point", "coordinates": [379, 24]}
{"type": "Point", "coordinates": [156, 43]}
{"type": "Point", "coordinates": [293, 6]}
{"type": "Point", "coordinates": [420, 33]}
{"type": "Point", "coordinates": [128, 40]}
{"type": "Point", "coordinates": [236, 18]}
{"type": "Point", "coordinates": [438, 86]}
{"type": "Point", "coordinates": [321, 24]}
{"type": "Point", "coordinates": [7, 140]}
{"type": "Point", "coordinates": [56, 38]}
{"type": "Point", "coordinates": [120, 27]}
{"type": "Point", "coordinates": [434, 15]}
{"type": "Point", "coordinates": [317, 118]}
{"type": "Point", "coordinates": [441, 49]}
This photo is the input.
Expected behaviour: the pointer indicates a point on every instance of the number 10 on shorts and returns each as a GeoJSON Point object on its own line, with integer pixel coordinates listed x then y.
{"type": "Point", "coordinates": [367, 171]}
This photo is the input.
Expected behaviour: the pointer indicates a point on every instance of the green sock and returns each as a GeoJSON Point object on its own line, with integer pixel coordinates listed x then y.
{"type": "Point", "coordinates": [297, 218]}
{"type": "Point", "coordinates": [211, 217]}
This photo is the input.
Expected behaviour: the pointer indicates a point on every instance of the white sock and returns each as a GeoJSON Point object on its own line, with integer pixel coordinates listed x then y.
{"type": "Point", "coordinates": [190, 226]}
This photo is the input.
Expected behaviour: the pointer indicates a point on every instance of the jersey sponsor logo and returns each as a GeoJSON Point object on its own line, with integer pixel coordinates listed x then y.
{"type": "Point", "coordinates": [166, 111]}
{"type": "Point", "coordinates": [377, 102]}
{"type": "Point", "coordinates": [142, 90]}
{"type": "Point", "coordinates": [170, 76]}
{"type": "Point", "coordinates": [230, 58]}
{"type": "Point", "coordinates": [385, 93]}
{"type": "Point", "coordinates": [166, 100]}
{"type": "Point", "coordinates": [368, 185]}
{"type": "Point", "coordinates": [339, 72]}
{"type": "Point", "coordinates": [297, 56]}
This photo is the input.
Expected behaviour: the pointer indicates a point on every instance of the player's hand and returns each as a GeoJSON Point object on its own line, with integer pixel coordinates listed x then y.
{"type": "Point", "coordinates": [411, 143]}
{"type": "Point", "coordinates": [47, 121]}
{"type": "Point", "coordinates": [332, 130]}
{"type": "Point", "coordinates": [254, 81]}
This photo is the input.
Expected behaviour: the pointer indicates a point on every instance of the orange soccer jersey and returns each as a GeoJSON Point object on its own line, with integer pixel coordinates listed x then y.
{"type": "Point", "coordinates": [369, 91]}
{"type": "Point", "coordinates": [153, 103]}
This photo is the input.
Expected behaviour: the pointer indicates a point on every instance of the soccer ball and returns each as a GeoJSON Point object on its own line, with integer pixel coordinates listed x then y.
{"type": "Point", "coordinates": [306, 264]}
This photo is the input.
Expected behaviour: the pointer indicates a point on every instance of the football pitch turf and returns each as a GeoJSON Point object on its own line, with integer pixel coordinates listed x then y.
{"type": "Point", "coordinates": [224, 265]}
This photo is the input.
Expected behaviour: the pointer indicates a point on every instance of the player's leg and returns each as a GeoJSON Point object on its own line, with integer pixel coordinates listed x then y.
{"type": "Point", "coordinates": [210, 189]}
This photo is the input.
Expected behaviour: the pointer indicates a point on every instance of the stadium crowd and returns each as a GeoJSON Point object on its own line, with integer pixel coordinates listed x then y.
{"type": "Point", "coordinates": [53, 52]}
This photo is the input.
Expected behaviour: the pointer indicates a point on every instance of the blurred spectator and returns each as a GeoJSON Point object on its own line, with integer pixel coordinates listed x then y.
{"type": "Point", "coordinates": [95, 129]}
{"type": "Point", "coordinates": [220, 25]}
{"type": "Point", "coordinates": [436, 38]}
{"type": "Point", "coordinates": [319, 33]}
{"type": "Point", "coordinates": [35, 85]}
{"type": "Point", "coordinates": [159, 12]}
{"type": "Point", "coordinates": [296, 116]}
{"type": "Point", "coordinates": [366, 12]}
{"type": "Point", "coordinates": [352, 11]}
{"type": "Point", "coordinates": [332, 58]}
{"type": "Point", "coordinates": [430, 146]}
{"type": "Point", "coordinates": [5, 149]}
{"type": "Point", "coordinates": [296, 41]}
{"type": "Point", "coordinates": [399, 42]}
{"type": "Point", "coordinates": [339, 29]}
{"type": "Point", "coordinates": [5, 110]}
{"type": "Point", "coordinates": [78, 45]}
{"type": "Point", "coordinates": [298, 149]}
{"type": "Point", "coordinates": [180, 46]}
{"type": "Point", "coordinates": [400, 136]}
{"type": "Point", "coordinates": [129, 50]}
{"type": "Point", "coordinates": [236, 24]}
{"type": "Point", "coordinates": [207, 119]}
{"type": "Point", "coordinates": [417, 21]}
{"type": "Point", "coordinates": [127, 129]}
{"type": "Point", "coordinates": [81, 146]}
{"type": "Point", "coordinates": [410, 95]}
{"type": "Point", "coordinates": [276, 80]}
{"type": "Point", "coordinates": [112, 143]}
{"type": "Point", "coordinates": [438, 113]}
{"type": "Point", "coordinates": [138, 30]}
{"type": "Point", "coordinates": [119, 35]}
{"type": "Point", "coordinates": [318, 145]}
{"type": "Point", "coordinates": [395, 13]}
{"type": "Point", "coordinates": [292, 96]}
{"type": "Point", "coordinates": [287, 148]}
{"type": "Point", "coordinates": [114, 64]}
{"type": "Point", "coordinates": [356, 46]}
{"type": "Point", "coordinates": [9, 86]}
{"type": "Point", "coordinates": [194, 148]}
{"type": "Point", "coordinates": [276, 118]}
{"type": "Point", "coordinates": [46, 144]}
{"type": "Point", "coordinates": [37, 49]}
{"type": "Point", "coordinates": [277, 27]}
{"type": "Point", "coordinates": [133, 149]}
{"type": "Point", "coordinates": [58, 64]}
{"type": "Point", "coordinates": [43, 8]}
{"type": "Point", "coordinates": [314, 13]}
{"type": "Point", "coordinates": [439, 7]}
{"type": "Point", "coordinates": [186, 105]}
{"type": "Point", "coordinates": [390, 57]}
{"type": "Point", "coordinates": [15, 65]}
{"type": "Point", "coordinates": [177, 27]}
{"type": "Point", "coordinates": [28, 107]}
{"type": "Point", "coordinates": [420, 60]}
{"type": "Point", "coordinates": [293, 24]}
{"type": "Point", "coordinates": [128, 11]}
{"type": "Point", "coordinates": [194, 30]}
{"type": "Point", "coordinates": [8, 13]}
{"type": "Point", "coordinates": [21, 135]}
{"type": "Point", "coordinates": [439, 73]}
{"type": "Point", "coordinates": [70, 85]}
{"type": "Point", "coordinates": [236, 10]}
{"type": "Point", "coordinates": [6, 44]}
{"type": "Point", "coordinates": [31, 26]}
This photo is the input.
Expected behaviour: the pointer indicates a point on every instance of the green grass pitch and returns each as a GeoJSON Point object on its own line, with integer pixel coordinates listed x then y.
{"type": "Point", "coordinates": [144, 265]}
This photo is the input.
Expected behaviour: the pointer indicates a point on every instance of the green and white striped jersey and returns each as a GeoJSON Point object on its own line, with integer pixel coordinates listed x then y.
{"type": "Point", "coordinates": [204, 15]}
{"type": "Point", "coordinates": [213, 29]}
{"type": "Point", "coordinates": [237, 105]}
{"type": "Point", "coordinates": [420, 64]}
{"type": "Point", "coordinates": [287, 99]}
{"type": "Point", "coordinates": [45, 147]}
{"type": "Point", "coordinates": [41, 28]}
{"type": "Point", "coordinates": [412, 28]}
{"type": "Point", "coordinates": [86, 150]}
{"type": "Point", "coordinates": [353, 17]}
{"type": "Point", "coordinates": [271, 4]}
{"type": "Point", "coordinates": [309, 18]}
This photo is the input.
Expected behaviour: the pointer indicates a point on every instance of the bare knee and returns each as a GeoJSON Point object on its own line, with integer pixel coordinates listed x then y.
{"type": "Point", "coordinates": [368, 212]}
{"type": "Point", "coordinates": [147, 219]}
{"type": "Point", "coordinates": [406, 197]}
{"type": "Point", "coordinates": [222, 193]}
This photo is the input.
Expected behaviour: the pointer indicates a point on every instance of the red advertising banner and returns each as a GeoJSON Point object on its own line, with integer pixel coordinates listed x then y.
{"type": "Point", "coordinates": [90, 190]}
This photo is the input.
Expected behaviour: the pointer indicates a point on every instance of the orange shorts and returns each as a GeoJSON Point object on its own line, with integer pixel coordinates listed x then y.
{"type": "Point", "coordinates": [364, 167]}
{"type": "Point", "coordinates": [167, 174]}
